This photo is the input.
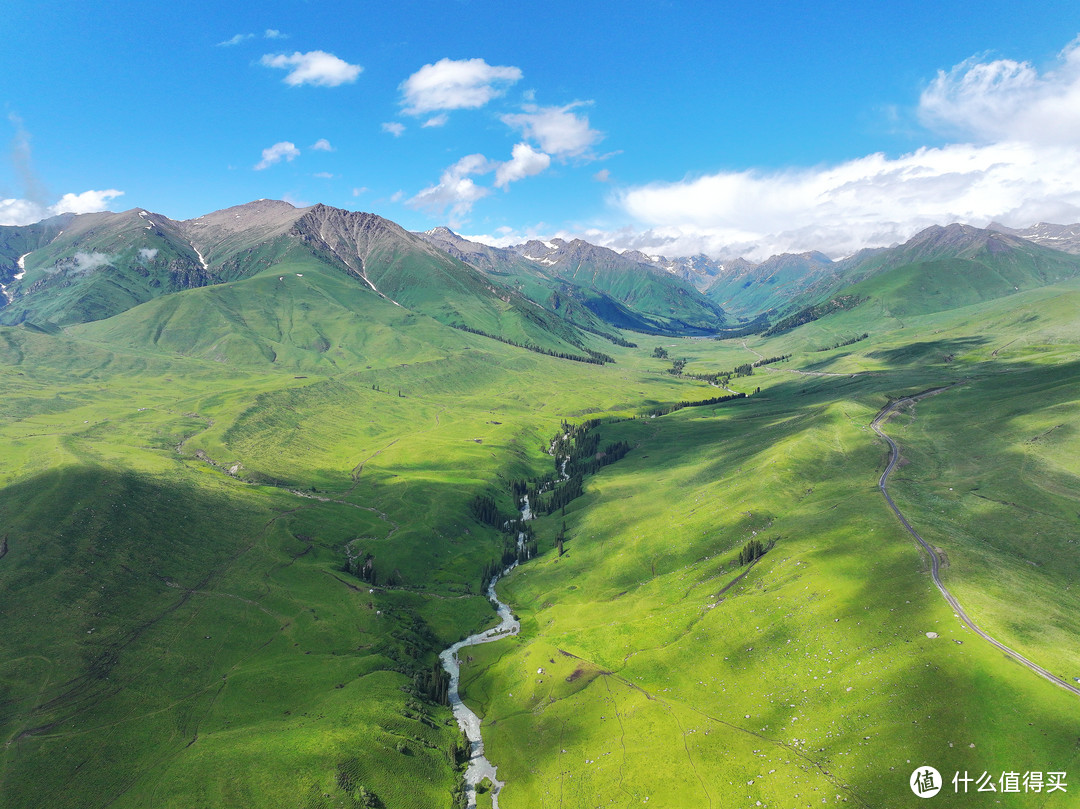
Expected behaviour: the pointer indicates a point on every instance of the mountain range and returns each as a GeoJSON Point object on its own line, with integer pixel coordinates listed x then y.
{"type": "Point", "coordinates": [260, 467]}
{"type": "Point", "coordinates": [557, 296]}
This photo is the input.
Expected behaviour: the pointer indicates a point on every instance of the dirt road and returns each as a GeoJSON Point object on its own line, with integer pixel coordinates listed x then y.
{"type": "Point", "coordinates": [935, 561]}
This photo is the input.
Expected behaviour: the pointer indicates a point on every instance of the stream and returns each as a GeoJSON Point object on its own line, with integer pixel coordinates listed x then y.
{"type": "Point", "coordinates": [479, 766]}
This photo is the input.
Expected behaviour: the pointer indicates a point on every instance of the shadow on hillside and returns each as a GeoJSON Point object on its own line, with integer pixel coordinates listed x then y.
{"type": "Point", "coordinates": [929, 351]}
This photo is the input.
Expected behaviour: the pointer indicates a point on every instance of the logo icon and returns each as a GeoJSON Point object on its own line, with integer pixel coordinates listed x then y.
{"type": "Point", "coordinates": [925, 782]}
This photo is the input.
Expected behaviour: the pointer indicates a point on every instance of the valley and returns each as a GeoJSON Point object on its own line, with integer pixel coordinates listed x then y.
{"type": "Point", "coordinates": [246, 507]}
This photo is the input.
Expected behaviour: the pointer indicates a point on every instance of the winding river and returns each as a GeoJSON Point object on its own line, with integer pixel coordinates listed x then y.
{"type": "Point", "coordinates": [479, 766]}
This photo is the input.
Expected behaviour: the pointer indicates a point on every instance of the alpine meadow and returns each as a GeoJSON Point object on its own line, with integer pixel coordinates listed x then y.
{"type": "Point", "coordinates": [676, 407]}
{"type": "Point", "coordinates": [246, 506]}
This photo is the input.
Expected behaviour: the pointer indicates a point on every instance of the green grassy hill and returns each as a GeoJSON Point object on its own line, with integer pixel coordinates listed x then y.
{"type": "Point", "coordinates": [178, 627]}
{"type": "Point", "coordinates": [102, 265]}
{"type": "Point", "coordinates": [937, 270]}
{"type": "Point", "coordinates": [659, 301]}
{"type": "Point", "coordinates": [191, 489]}
{"type": "Point", "coordinates": [652, 664]}
{"type": "Point", "coordinates": [752, 289]}
{"type": "Point", "coordinates": [305, 316]}
{"type": "Point", "coordinates": [99, 265]}
{"type": "Point", "coordinates": [591, 286]}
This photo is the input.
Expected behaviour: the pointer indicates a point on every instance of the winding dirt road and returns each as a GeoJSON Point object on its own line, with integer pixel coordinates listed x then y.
{"type": "Point", "coordinates": [935, 561]}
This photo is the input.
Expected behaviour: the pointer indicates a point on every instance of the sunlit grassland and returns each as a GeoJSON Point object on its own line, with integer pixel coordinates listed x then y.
{"type": "Point", "coordinates": [813, 675]}
{"type": "Point", "coordinates": [177, 635]}
{"type": "Point", "coordinates": [177, 629]}
{"type": "Point", "coordinates": [993, 479]}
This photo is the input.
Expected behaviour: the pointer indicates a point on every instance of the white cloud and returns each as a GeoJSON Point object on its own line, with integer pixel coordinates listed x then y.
{"type": "Point", "coordinates": [1007, 100]}
{"type": "Point", "coordinates": [397, 196]}
{"type": "Point", "coordinates": [148, 253]}
{"type": "Point", "coordinates": [26, 212]}
{"type": "Point", "coordinates": [506, 236]}
{"type": "Point", "coordinates": [235, 40]}
{"type": "Point", "coordinates": [874, 200]}
{"type": "Point", "coordinates": [1019, 167]}
{"type": "Point", "coordinates": [322, 145]}
{"type": "Point", "coordinates": [86, 202]}
{"type": "Point", "coordinates": [275, 154]}
{"type": "Point", "coordinates": [394, 128]}
{"type": "Point", "coordinates": [602, 176]}
{"type": "Point", "coordinates": [358, 191]}
{"type": "Point", "coordinates": [455, 84]}
{"type": "Point", "coordinates": [558, 130]}
{"type": "Point", "coordinates": [436, 120]}
{"type": "Point", "coordinates": [323, 175]}
{"type": "Point", "coordinates": [455, 189]}
{"type": "Point", "coordinates": [20, 212]}
{"type": "Point", "coordinates": [273, 33]}
{"type": "Point", "coordinates": [87, 262]}
{"type": "Point", "coordinates": [315, 67]}
{"type": "Point", "coordinates": [524, 162]}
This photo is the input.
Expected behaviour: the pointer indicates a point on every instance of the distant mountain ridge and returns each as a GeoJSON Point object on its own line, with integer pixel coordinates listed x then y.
{"type": "Point", "coordinates": [592, 286]}
{"type": "Point", "coordinates": [1060, 237]}
{"type": "Point", "coordinates": [78, 268]}
{"type": "Point", "coordinates": [939, 268]}
{"type": "Point", "coordinates": [99, 265]}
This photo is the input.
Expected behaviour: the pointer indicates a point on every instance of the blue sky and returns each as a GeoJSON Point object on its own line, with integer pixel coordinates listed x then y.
{"type": "Point", "coordinates": [673, 127]}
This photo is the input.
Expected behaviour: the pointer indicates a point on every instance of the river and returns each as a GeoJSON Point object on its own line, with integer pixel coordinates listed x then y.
{"type": "Point", "coordinates": [479, 766]}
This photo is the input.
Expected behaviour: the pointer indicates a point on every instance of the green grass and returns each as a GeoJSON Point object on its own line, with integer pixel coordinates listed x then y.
{"type": "Point", "coordinates": [175, 635]}
{"type": "Point", "coordinates": [627, 625]}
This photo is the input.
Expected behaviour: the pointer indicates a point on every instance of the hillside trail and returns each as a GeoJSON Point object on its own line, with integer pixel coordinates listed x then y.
{"type": "Point", "coordinates": [935, 560]}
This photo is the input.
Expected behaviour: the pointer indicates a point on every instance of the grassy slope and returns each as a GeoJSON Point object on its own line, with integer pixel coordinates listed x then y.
{"type": "Point", "coordinates": [174, 636]}
{"type": "Point", "coordinates": [657, 295]}
{"type": "Point", "coordinates": [135, 262]}
{"type": "Point", "coordinates": [813, 677]}
{"type": "Point", "coordinates": [673, 692]}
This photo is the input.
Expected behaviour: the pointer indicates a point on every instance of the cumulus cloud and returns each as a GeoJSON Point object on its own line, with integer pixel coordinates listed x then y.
{"type": "Point", "coordinates": [394, 128]}
{"type": "Point", "coordinates": [273, 33]}
{"type": "Point", "coordinates": [20, 211]}
{"type": "Point", "coordinates": [873, 200]}
{"type": "Point", "coordinates": [999, 100]}
{"type": "Point", "coordinates": [436, 120]}
{"type": "Point", "coordinates": [1014, 160]}
{"type": "Point", "coordinates": [454, 85]}
{"type": "Point", "coordinates": [148, 253]}
{"type": "Point", "coordinates": [319, 68]}
{"type": "Point", "coordinates": [322, 145]}
{"type": "Point", "coordinates": [602, 176]}
{"type": "Point", "coordinates": [524, 162]}
{"type": "Point", "coordinates": [455, 189]}
{"type": "Point", "coordinates": [25, 212]}
{"type": "Point", "coordinates": [275, 154]}
{"type": "Point", "coordinates": [86, 202]}
{"type": "Point", "coordinates": [558, 130]}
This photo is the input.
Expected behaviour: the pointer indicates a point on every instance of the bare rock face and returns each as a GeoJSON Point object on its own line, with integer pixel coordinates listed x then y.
{"type": "Point", "coordinates": [221, 234]}
{"type": "Point", "coordinates": [1060, 237]}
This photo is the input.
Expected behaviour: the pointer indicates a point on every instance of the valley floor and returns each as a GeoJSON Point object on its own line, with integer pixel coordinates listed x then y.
{"type": "Point", "coordinates": [189, 616]}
